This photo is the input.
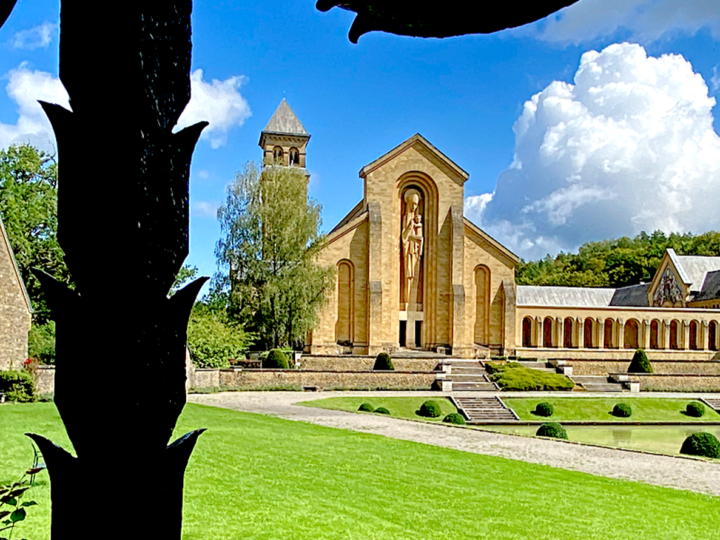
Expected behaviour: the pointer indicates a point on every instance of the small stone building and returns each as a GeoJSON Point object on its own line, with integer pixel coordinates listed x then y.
{"type": "Point", "coordinates": [413, 272]}
{"type": "Point", "coordinates": [15, 308]}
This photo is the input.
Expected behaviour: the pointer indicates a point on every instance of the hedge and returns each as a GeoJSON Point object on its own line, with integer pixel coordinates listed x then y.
{"type": "Point", "coordinates": [430, 409]}
{"type": "Point", "coordinates": [701, 444]}
{"type": "Point", "coordinates": [552, 429]}
{"type": "Point", "coordinates": [640, 363]}
{"type": "Point", "coordinates": [383, 362]}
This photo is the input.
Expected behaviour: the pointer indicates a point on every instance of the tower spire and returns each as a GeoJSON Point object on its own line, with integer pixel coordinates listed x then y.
{"type": "Point", "coordinates": [284, 140]}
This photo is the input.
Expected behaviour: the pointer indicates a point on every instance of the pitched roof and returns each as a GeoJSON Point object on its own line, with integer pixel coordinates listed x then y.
{"type": "Point", "coordinates": [710, 289]}
{"type": "Point", "coordinates": [632, 296]}
{"type": "Point", "coordinates": [531, 295]}
{"type": "Point", "coordinates": [5, 240]}
{"type": "Point", "coordinates": [696, 269]}
{"type": "Point", "coordinates": [284, 121]}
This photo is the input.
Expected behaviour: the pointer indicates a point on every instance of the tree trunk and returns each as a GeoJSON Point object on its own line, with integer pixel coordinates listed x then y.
{"type": "Point", "coordinates": [120, 368]}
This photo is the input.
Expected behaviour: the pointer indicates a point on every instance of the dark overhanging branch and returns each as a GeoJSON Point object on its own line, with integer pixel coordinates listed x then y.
{"type": "Point", "coordinates": [442, 19]}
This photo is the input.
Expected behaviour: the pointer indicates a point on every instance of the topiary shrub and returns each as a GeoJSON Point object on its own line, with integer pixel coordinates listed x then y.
{"type": "Point", "coordinates": [383, 362]}
{"type": "Point", "coordinates": [275, 359]}
{"type": "Point", "coordinates": [695, 409]}
{"type": "Point", "coordinates": [430, 409]}
{"type": "Point", "coordinates": [622, 410]}
{"type": "Point", "coordinates": [701, 444]}
{"type": "Point", "coordinates": [17, 386]}
{"type": "Point", "coordinates": [544, 409]}
{"type": "Point", "coordinates": [366, 407]}
{"type": "Point", "coordinates": [455, 418]}
{"type": "Point", "coordinates": [552, 429]}
{"type": "Point", "coordinates": [382, 410]}
{"type": "Point", "coordinates": [640, 363]}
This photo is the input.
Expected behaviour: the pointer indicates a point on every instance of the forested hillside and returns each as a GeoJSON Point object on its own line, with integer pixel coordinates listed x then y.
{"type": "Point", "coordinates": [615, 263]}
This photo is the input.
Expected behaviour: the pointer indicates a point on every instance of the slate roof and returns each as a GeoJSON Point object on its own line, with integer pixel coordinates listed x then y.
{"type": "Point", "coordinates": [531, 295]}
{"type": "Point", "coordinates": [284, 121]}
{"type": "Point", "coordinates": [696, 269]}
{"type": "Point", "coordinates": [710, 289]}
{"type": "Point", "coordinates": [632, 296]}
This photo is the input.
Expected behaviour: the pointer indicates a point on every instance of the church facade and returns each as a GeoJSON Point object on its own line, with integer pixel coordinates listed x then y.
{"type": "Point", "coordinates": [413, 272]}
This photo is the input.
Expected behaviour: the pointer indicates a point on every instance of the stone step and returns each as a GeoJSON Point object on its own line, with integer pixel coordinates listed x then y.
{"type": "Point", "coordinates": [485, 410]}
{"type": "Point", "coordinates": [482, 387]}
{"type": "Point", "coordinates": [714, 403]}
{"type": "Point", "coordinates": [608, 387]}
{"type": "Point", "coordinates": [594, 379]}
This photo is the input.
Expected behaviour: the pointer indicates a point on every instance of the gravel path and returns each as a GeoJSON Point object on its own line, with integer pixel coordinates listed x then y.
{"type": "Point", "coordinates": [675, 472]}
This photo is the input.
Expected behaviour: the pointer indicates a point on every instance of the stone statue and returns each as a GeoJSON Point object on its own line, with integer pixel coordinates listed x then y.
{"type": "Point", "coordinates": [412, 238]}
{"type": "Point", "coordinates": [668, 289]}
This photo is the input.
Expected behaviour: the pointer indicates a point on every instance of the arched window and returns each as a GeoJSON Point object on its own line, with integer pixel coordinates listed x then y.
{"type": "Point", "coordinates": [713, 336]}
{"type": "Point", "coordinates": [527, 332]}
{"type": "Point", "coordinates": [609, 334]}
{"type": "Point", "coordinates": [278, 154]}
{"type": "Point", "coordinates": [674, 342]}
{"type": "Point", "coordinates": [294, 157]}
{"type": "Point", "coordinates": [345, 301]}
{"type": "Point", "coordinates": [632, 331]}
{"type": "Point", "coordinates": [568, 333]}
{"type": "Point", "coordinates": [548, 333]}
{"type": "Point", "coordinates": [589, 334]}
{"type": "Point", "coordinates": [482, 305]}
{"type": "Point", "coordinates": [655, 334]}
{"type": "Point", "coordinates": [694, 341]}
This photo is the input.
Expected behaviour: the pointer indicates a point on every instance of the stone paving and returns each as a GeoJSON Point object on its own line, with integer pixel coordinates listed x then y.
{"type": "Point", "coordinates": [675, 472]}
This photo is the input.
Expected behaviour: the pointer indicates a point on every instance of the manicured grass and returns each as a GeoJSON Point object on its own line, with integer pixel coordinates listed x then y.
{"type": "Point", "coordinates": [402, 407]}
{"type": "Point", "coordinates": [512, 376]}
{"type": "Point", "coordinates": [265, 478]}
{"type": "Point", "coordinates": [581, 409]}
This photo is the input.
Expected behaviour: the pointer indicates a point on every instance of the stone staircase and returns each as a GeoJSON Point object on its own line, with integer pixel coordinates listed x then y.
{"type": "Point", "coordinates": [592, 383]}
{"type": "Point", "coordinates": [713, 403]}
{"type": "Point", "coordinates": [470, 377]}
{"type": "Point", "coordinates": [485, 410]}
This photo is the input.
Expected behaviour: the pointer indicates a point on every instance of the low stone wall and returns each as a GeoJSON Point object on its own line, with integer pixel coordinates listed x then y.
{"type": "Point", "coordinates": [45, 383]}
{"type": "Point", "coordinates": [261, 379]}
{"type": "Point", "coordinates": [616, 354]}
{"type": "Point", "coordinates": [677, 383]}
{"type": "Point", "coordinates": [592, 367]}
{"type": "Point", "coordinates": [363, 363]}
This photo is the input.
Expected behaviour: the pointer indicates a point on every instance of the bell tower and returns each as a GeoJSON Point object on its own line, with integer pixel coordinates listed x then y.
{"type": "Point", "coordinates": [284, 140]}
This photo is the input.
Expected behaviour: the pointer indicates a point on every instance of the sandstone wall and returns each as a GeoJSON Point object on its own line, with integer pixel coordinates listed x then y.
{"type": "Point", "coordinates": [363, 363]}
{"type": "Point", "coordinates": [660, 367]}
{"type": "Point", "coordinates": [14, 311]}
{"type": "Point", "coordinates": [678, 383]}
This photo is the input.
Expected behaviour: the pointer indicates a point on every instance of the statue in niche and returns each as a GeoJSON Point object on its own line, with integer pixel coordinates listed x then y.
{"type": "Point", "coordinates": [668, 290]}
{"type": "Point", "coordinates": [412, 239]}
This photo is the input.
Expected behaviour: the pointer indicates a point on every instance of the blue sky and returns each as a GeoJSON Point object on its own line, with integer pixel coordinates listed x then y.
{"type": "Point", "coordinates": [634, 122]}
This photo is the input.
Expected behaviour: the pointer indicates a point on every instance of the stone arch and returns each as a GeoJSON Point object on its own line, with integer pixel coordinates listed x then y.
{"type": "Point", "coordinates": [427, 187]}
{"type": "Point", "coordinates": [674, 334]}
{"type": "Point", "coordinates": [609, 331]}
{"type": "Point", "coordinates": [694, 336]}
{"type": "Point", "coordinates": [655, 334]}
{"type": "Point", "coordinates": [482, 305]}
{"type": "Point", "coordinates": [278, 154]}
{"type": "Point", "coordinates": [294, 155]}
{"type": "Point", "coordinates": [713, 336]}
{"type": "Point", "coordinates": [589, 331]}
{"type": "Point", "coordinates": [548, 333]}
{"type": "Point", "coordinates": [632, 334]}
{"type": "Point", "coordinates": [527, 332]}
{"type": "Point", "coordinates": [568, 332]}
{"type": "Point", "coordinates": [345, 327]}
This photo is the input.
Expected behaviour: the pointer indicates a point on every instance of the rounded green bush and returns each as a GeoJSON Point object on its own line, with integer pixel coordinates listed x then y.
{"type": "Point", "coordinates": [382, 410]}
{"type": "Point", "coordinates": [695, 409]}
{"type": "Point", "coordinates": [454, 418]}
{"type": "Point", "coordinates": [552, 429]}
{"type": "Point", "coordinates": [17, 386]}
{"type": "Point", "coordinates": [366, 407]}
{"type": "Point", "coordinates": [275, 359]}
{"type": "Point", "coordinates": [622, 410]}
{"type": "Point", "coordinates": [544, 409]}
{"type": "Point", "coordinates": [640, 363]}
{"type": "Point", "coordinates": [430, 409]}
{"type": "Point", "coordinates": [701, 444]}
{"type": "Point", "coordinates": [383, 362]}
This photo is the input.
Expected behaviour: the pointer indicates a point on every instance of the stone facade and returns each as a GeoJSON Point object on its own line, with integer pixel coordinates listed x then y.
{"type": "Point", "coordinates": [14, 308]}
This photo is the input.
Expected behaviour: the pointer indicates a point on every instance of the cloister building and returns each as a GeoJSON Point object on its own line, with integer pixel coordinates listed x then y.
{"type": "Point", "coordinates": [413, 272]}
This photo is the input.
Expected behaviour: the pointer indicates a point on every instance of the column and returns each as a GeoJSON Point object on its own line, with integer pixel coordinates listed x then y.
{"type": "Point", "coordinates": [705, 335]}
{"type": "Point", "coordinates": [601, 333]}
{"type": "Point", "coordinates": [580, 333]}
{"type": "Point", "coordinates": [666, 334]}
{"type": "Point", "coordinates": [540, 338]}
{"type": "Point", "coordinates": [621, 334]}
{"type": "Point", "coordinates": [686, 336]}
{"type": "Point", "coordinates": [645, 342]}
{"type": "Point", "coordinates": [560, 323]}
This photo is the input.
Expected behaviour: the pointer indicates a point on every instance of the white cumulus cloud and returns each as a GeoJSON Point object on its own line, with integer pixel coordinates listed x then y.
{"type": "Point", "coordinates": [204, 209]}
{"type": "Point", "coordinates": [645, 20]}
{"type": "Point", "coordinates": [629, 147]}
{"type": "Point", "coordinates": [25, 87]}
{"type": "Point", "coordinates": [35, 38]}
{"type": "Point", "coordinates": [217, 102]}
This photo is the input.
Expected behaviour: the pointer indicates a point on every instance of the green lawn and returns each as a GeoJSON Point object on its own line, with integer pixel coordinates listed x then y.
{"type": "Point", "coordinates": [579, 409]}
{"type": "Point", "coordinates": [264, 478]}
{"type": "Point", "coordinates": [403, 407]}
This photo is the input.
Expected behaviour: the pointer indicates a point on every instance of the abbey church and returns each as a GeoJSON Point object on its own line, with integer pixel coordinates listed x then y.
{"type": "Point", "coordinates": [413, 272]}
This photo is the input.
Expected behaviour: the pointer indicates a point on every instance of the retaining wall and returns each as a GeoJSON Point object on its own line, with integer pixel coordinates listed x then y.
{"type": "Point", "coordinates": [590, 367]}
{"type": "Point", "coordinates": [363, 363]}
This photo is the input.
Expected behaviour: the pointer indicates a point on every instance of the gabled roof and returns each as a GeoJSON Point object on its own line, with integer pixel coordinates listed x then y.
{"type": "Point", "coordinates": [490, 240]}
{"type": "Point", "coordinates": [531, 295]}
{"type": "Point", "coordinates": [631, 296]}
{"type": "Point", "coordinates": [695, 269]}
{"type": "Point", "coordinates": [5, 242]}
{"type": "Point", "coordinates": [285, 122]}
{"type": "Point", "coordinates": [355, 212]}
{"type": "Point", "coordinates": [710, 289]}
{"type": "Point", "coordinates": [460, 175]}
